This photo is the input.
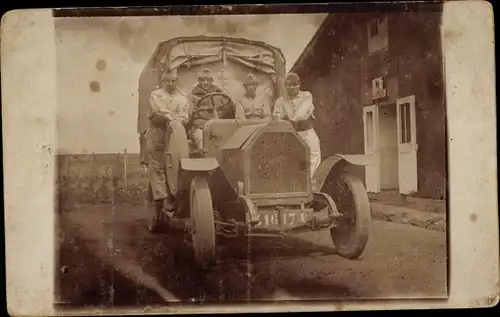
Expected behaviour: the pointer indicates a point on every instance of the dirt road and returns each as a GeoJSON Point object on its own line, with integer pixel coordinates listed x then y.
{"type": "Point", "coordinates": [108, 257]}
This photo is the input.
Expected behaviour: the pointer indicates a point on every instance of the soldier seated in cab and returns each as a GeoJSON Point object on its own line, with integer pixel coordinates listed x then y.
{"type": "Point", "coordinates": [217, 107]}
{"type": "Point", "coordinates": [250, 106]}
{"type": "Point", "coordinates": [203, 112]}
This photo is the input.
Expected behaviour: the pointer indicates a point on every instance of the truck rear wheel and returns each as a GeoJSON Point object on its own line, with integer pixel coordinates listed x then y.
{"type": "Point", "coordinates": [203, 231]}
{"type": "Point", "coordinates": [351, 234]}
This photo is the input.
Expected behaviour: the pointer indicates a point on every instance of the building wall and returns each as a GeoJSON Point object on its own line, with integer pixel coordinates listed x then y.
{"type": "Point", "coordinates": [332, 72]}
{"type": "Point", "coordinates": [338, 69]}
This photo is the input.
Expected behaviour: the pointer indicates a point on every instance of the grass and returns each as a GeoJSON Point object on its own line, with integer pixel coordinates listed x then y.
{"type": "Point", "coordinates": [91, 190]}
{"type": "Point", "coordinates": [86, 179]}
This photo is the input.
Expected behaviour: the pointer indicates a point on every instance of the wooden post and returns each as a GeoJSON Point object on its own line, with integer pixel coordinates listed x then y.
{"type": "Point", "coordinates": [92, 162]}
{"type": "Point", "coordinates": [66, 166]}
{"type": "Point", "coordinates": [114, 195]}
{"type": "Point", "coordinates": [114, 182]}
{"type": "Point", "coordinates": [93, 175]}
{"type": "Point", "coordinates": [93, 167]}
{"type": "Point", "coordinates": [125, 163]}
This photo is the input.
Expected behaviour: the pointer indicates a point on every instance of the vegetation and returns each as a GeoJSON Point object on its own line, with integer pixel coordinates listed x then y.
{"type": "Point", "coordinates": [90, 182]}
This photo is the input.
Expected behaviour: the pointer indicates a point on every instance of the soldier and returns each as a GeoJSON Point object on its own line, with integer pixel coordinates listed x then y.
{"type": "Point", "coordinates": [249, 106]}
{"type": "Point", "coordinates": [202, 113]}
{"type": "Point", "coordinates": [298, 108]}
{"type": "Point", "coordinates": [166, 104]}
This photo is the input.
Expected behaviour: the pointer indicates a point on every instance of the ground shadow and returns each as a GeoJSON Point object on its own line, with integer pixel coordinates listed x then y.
{"type": "Point", "coordinates": [316, 289]}
{"type": "Point", "coordinates": [245, 271]}
{"type": "Point", "coordinates": [267, 248]}
{"type": "Point", "coordinates": [83, 280]}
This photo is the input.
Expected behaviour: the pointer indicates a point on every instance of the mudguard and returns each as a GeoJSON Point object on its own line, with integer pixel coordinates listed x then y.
{"type": "Point", "coordinates": [338, 162]}
{"type": "Point", "coordinates": [204, 164]}
{"type": "Point", "coordinates": [191, 167]}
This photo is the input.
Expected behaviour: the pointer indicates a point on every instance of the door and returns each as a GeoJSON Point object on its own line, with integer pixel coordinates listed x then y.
{"type": "Point", "coordinates": [407, 145]}
{"type": "Point", "coordinates": [371, 134]}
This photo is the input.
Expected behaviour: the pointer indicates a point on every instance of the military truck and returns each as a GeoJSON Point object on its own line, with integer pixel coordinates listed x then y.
{"type": "Point", "coordinates": [253, 176]}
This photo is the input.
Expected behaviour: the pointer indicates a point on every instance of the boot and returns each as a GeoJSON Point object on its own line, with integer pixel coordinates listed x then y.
{"type": "Point", "coordinates": [158, 209]}
{"type": "Point", "coordinates": [168, 207]}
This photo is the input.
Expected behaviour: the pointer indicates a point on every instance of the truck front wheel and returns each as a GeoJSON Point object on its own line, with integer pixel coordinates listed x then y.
{"type": "Point", "coordinates": [203, 231]}
{"type": "Point", "coordinates": [351, 233]}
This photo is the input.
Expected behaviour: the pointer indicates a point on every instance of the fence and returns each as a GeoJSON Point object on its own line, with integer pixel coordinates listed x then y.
{"type": "Point", "coordinates": [88, 178]}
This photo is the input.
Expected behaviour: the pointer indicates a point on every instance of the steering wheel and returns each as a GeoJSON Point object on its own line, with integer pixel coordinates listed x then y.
{"type": "Point", "coordinates": [225, 110]}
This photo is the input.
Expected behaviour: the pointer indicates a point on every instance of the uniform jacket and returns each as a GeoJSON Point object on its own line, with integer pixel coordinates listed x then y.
{"type": "Point", "coordinates": [162, 105]}
{"type": "Point", "coordinates": [252, 108]}
{"type": "Point", "coordinates": [204, 111]}
{"type": "Point", "coordinates": [298, 109]}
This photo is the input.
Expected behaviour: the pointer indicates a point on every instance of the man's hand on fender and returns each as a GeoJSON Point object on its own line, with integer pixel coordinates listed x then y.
{"type": "Point", "coordinates": [169, 118]}
{"type": "Point", "coordinates": [292, 121]}
{"type": "Point", "coordinates": [156, 119]}
{"type": "Point", "coordinates": [289, 120]}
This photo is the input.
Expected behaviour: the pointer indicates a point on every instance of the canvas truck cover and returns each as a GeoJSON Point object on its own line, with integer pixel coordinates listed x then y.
{"type": "Point", "coordinates": [230, 59]}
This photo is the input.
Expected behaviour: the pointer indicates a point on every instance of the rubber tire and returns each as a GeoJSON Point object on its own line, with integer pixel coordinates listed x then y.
{"type": "Point", "coordinates": [358, 238]}
{"type": "Point", "coordinates": [201, 212]}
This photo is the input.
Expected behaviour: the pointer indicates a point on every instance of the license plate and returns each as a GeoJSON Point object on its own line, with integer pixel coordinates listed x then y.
{"type": "Point", "coordinates": [290, 218]}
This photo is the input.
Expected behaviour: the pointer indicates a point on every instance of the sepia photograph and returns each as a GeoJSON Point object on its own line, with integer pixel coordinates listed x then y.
{"type": "Point", "coordinates": [222, 158]}
{"type": "Point", "coordinates": [250, 155]}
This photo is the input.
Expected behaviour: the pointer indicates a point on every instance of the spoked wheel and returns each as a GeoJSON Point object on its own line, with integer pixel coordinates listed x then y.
{"type": "Point", "coordinates": [350, 236]}
{"type": "Point", "coordinates": [221, 105]}
{"type": "Point", "coordinates": [154, 215]}
{"type": "Point", "coordinates": [203, 231]}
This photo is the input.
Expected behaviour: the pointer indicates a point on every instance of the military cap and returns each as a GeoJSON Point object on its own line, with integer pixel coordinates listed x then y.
{"type": "Point", "coordinates": [293, 77]}
{"type": "Point", "coordinates": [172, 74]}
{"type": "Point", "coordinates": [205, 73]}
{"type": "Point", "coordinates": [250, 79]}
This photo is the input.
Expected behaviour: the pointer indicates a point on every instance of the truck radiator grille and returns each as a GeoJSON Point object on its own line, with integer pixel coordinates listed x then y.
{"type": "Point", "coordinates": [278, 164]}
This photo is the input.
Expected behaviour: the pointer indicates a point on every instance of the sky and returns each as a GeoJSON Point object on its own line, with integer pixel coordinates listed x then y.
{"type": "Point", "coordinates": [99, 61]}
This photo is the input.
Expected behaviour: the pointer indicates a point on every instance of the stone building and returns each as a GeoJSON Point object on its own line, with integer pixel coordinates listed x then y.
{"type": "Point", "coordinates": [377, 80]}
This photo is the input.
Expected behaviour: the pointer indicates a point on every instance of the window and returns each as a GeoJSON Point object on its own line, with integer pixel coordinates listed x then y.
{"type": "Point", "coordinates": [405, 117]}
{"type": "Point", "coordinates": [377, 35]}
{"type": "Point", "coordinates": [374, 28]}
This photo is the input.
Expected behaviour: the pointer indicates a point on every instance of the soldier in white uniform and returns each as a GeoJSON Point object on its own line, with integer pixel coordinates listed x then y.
{"type": "Point", "coordinates": [298, 108]}
{"type": "Point", "coordinates": [166, 104]}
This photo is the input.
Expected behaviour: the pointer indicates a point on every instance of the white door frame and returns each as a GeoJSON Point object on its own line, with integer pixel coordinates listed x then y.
{"type": "Point", "coordinates": [371, 143]}
{"type": "Point", "coordinates": [407, 145]}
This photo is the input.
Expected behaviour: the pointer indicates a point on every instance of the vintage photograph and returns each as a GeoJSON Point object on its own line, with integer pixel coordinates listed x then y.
{"type": "Point", "coordinates": [244, 157]}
